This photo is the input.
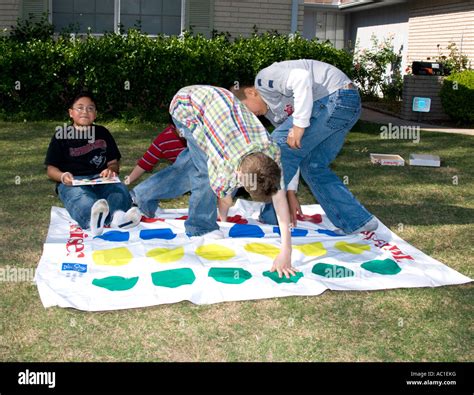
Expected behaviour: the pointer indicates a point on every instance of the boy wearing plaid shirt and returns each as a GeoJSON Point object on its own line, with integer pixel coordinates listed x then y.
{"type": "Point", "coordinates": [228, 147]}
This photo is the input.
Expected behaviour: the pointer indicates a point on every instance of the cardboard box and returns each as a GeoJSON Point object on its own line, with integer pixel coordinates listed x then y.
{"type": "Point", "coordinates": [424, 160]}
{"type": "Point", "coordinates": [387, 160]}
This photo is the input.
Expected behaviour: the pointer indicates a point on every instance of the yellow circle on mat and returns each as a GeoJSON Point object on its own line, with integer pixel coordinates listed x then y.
{"type": "Point", "coordinates": [112, 257]}
{"type": "Point", "coordinates": [263, 249]}
{"type": "Point", "coordinates": [311, 249]}
{"type": "Point", "coordinates": [215, 252]}
{"type": "Point", "coordinates": [352, 248]}
{"type": "Point", "coordinates": [166, 255]}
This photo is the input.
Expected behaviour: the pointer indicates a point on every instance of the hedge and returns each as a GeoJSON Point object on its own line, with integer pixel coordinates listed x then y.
{"type": "Point", "coordinates": [133, 75]}
{"type": "Point", "coordinates": [457, 96]}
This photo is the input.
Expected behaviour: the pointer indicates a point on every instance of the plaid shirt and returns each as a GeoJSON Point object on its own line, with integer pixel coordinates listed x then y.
{"type": "Point", "coordinates": [224, 129]}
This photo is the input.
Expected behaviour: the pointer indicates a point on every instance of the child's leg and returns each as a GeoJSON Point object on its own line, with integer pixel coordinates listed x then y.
{"type": "Point", "coordinates": [202, 217]}
{"type": "Point", "coordinates": [171, 182]}
{"type": "Point", "coordinates": [340, 205]}
{"type": "Point", "coordinates": [268, 215]}
{"type": "Point", "coordinates": [78, 201]}
{"type": "Point", "coordinates": [117, 197]}
{"type": "Point", "coordinates": [313, 135]}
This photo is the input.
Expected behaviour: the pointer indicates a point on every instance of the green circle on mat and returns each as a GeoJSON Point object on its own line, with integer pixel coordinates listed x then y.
{"type": "Point", "coordinates": [173, 278]}
{"type": "Point", "coordinates": [332, 271]}
{"type": "Point", "coordinates": [274, 276]}
{"type": "Point", "coordinates": [387, 266]}
{"type": "Point", "coordinates": [229, 275]}
{"type": "Point", "coordinates": [115, 283]}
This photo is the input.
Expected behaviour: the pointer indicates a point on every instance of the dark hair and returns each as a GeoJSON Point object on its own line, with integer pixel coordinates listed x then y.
{"type": "Point", "coordinates": [80, 95]}
{"type": "Point", "coordinates": [239, 92]}
{"type": "Point", "coordinates": [260, 176]}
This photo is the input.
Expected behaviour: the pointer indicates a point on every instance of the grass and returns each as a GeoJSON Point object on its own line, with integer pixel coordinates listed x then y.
{"type": "Point", "coordinates": [422, 205]}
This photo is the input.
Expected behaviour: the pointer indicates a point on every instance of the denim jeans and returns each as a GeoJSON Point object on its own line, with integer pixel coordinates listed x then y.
{"type": "Point", "coordinates": [331, 119]}
{"type": "Point", "coordinates": [78, 200]}
{"type": "Point", "coordinates": [171, 182]}
{"type": "Point", "coordinates": [202, 215]}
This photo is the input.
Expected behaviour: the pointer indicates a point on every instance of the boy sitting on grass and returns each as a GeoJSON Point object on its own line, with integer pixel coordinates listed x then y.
{"type": "Point", "coordinates": [86, 151]}
{"type": "Point", "coordinates": [228, 147]}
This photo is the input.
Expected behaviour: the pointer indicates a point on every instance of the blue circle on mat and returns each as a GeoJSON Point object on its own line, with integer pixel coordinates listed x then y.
{"type": "Point", "coordinates": [242, 230]}
{"type": "Point", "coordinates": [114, 235]}
{"type": "Point", "coordinates": [166, 234]}
{"type": "Point", "coordinates": [329, 233]}
{"type": "Point", "coordinates": [295, 232]}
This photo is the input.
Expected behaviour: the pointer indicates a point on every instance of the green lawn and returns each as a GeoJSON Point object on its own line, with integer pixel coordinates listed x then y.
{"type": "Point", "coordinates": [422, 205]}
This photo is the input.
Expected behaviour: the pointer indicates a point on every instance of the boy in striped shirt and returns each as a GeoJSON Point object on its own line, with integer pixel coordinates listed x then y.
{"type": "Point", "coordinates": [167, 145]}
{"type": "Point", "coordinates": [228, 147]}
{"type": "Point", "coordinates": [164, 184]}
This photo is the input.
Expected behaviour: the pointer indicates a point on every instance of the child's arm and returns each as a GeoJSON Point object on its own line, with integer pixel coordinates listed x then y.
{"type": "Point", "coordinates": [59, 176]}
{"type": "Point", "coordinates": [282, 263]}
{"type": "Point", "coordinates": [300, 81]}
{"type": "Point", "coordinates": [223, 205]}
{"type": "Point", "coordinates": [294, 204]}
{"type": "Point", "coordinates": [295, 207]}
{"type": "Point", "coordinates": [136, 173]}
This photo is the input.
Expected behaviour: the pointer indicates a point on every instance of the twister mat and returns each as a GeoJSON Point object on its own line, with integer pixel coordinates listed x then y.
{"type": "Point", "coordinates": [156, 263]}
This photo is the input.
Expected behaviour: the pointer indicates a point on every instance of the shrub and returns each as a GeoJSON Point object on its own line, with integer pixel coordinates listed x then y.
{"type": "Point", "coordinates": [136, 76]}
{"type": "Point", "coordinates": [378, 70]}
{"type": "Point", "coordinates": [457, 96]}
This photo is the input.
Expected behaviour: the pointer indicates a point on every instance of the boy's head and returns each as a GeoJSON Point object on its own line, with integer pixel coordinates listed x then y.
{"type": "Point", "coordinates": [260, 176]}
{"type": "Point", "coordinates": [251, 98]}
{"type": "Point", "coordinates": [82, 109]}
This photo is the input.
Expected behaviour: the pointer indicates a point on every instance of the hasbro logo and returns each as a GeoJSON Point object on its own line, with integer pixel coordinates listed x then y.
{"type": "Point", "coordinates": [77, 267]}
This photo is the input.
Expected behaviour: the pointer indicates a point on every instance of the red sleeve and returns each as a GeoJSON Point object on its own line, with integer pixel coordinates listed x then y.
{"type": "Point", "coordinates": [152, 155]}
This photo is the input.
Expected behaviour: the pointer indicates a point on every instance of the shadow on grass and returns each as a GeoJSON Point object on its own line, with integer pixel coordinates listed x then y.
{"type": "Point", "coordinates": [424, 214]}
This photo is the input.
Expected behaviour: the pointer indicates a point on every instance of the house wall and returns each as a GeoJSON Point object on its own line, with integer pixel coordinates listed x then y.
{"type": "Point", "coordinates": [239, 17]}
{"type": "Point", "coordinates": [9, 12]}
{"type": "Point", "coordinates": [382, 22]}
{"type": "Point", "coordinates": [434, 22]}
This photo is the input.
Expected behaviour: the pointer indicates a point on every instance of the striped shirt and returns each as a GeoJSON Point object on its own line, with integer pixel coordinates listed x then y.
{"type": "Point", "coordinates": [167, 145]}
{"type": "Point", "coordinates": [224, 129]}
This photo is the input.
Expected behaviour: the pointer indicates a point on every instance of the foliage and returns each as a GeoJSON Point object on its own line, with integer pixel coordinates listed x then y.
{"type": "Point", "coordinates": [457, 96]}
{"type": "Point", "coordinates": [378, 69]}
{"type": "Point", "coordinates": [455, 61]}
{"type": "Point", "coordinates": [135, 76]}
{"type": "Point", "coordinates": [31, 28]}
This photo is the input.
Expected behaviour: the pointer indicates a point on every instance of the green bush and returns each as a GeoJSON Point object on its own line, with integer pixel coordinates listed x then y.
{"type": "Point", "coordinates": [134, 76]}
{"type": "Point", "coordinates": [457, 96]}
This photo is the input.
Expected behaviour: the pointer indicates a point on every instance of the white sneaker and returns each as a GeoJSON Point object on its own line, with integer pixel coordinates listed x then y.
{"type": "Point", "coordinates": [127, 220]}
{"type": "Point", "coordinates": [99, 212]}
{"type": "Point", "coordinates": [368, 227]}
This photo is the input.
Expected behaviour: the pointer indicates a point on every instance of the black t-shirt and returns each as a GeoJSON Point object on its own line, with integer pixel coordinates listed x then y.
{"type": "Point", "coordinates": [82, 152]}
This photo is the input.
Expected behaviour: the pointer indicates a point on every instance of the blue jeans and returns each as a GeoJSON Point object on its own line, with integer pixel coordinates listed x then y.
{"type": "Point", "coordinates": [78, 200]}
{"type": "Point", "coordinates": [331, 119]}
{"type": "Point", "coordinates": [202, 216]}
{"type": "Point", "coordinates": [171, 182]}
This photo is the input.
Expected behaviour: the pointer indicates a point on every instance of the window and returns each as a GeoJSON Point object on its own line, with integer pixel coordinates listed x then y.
{"type": "Point", "coordinates": [330, 26]}
{"type": "Point", "coordinates": [152, 16]}
{"type": "Point", "coordinates": [98, 15]}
